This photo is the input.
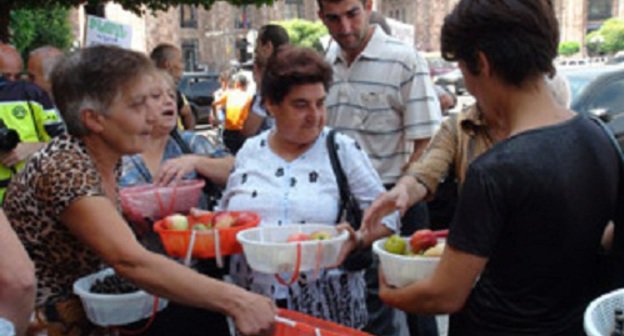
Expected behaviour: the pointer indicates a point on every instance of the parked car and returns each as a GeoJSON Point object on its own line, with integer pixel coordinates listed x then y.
{"type": "Point", "coordinates": [599, 91]}
{"type": "Point", "coordinates": [199, 88]}
{"type": "Point", "coordinates": [453, 79]}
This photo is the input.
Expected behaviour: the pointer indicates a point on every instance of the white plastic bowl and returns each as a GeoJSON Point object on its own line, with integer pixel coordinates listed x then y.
{"type": "Point", "coordinates": [600, 313]}
{"type": "Point", "coordinates": [267, 251]}
{"type": "Point", "coordinates": [401, 270]}
{"type": "Point", "coordinates": [114, 309]}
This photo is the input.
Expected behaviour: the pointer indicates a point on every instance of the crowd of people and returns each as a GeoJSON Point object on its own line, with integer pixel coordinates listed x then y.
{"type": "Point", "coordinates": [537, 183]}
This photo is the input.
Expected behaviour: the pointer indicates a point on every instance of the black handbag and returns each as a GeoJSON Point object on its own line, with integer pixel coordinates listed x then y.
{"type": "Point", "coordinates": [349, 209]}
{"type": "Point", "coordinates": [211, 190]}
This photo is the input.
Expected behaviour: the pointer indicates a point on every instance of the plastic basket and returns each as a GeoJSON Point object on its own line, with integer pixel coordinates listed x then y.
{"type": "Point", "coordinates": [292, 323]}
{"type": "Point", "coordinates": [152, 202]}
{"type": "Point", "coordinates": [267, 250]}
{"type": "Point", "coordinates": [600, 314]}
{"type": "Point", "coordinates": [176, 242]}
{"type": "Point", "coordinates": [401, 270]}
{"type": "Point", "coordinates": [114, 309]}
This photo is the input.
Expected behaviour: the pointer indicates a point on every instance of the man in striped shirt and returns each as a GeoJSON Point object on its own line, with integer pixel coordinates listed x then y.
{"type": "Point", "coordinates": [382, 95]}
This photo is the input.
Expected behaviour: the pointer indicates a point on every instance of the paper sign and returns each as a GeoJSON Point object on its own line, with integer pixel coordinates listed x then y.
{"type": "Point", "coordinates": [103, 31]}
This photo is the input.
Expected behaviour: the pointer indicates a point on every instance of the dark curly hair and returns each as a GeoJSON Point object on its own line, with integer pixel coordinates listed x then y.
{"type": "Point", "coordinates": [291, 66]}
{"type": "Point", "coordinates": [519, 37]}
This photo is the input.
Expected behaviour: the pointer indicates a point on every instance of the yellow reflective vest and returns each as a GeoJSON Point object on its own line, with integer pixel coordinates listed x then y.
{"type": "Point", "coordinates": [26, 109]}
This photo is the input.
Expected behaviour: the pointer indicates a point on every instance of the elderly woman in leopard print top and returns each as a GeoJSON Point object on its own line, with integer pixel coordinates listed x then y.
{"type": "Point", "coordinates": [64, 204]}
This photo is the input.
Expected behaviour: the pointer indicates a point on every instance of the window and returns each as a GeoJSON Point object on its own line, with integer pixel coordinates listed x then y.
{"type": "Point", "coordinates": [293, 9]}
{"type": "Point", "coordinates": [242, 21]}
{"type": "Point", "coordinates": [190, 55]}
{"type": "Point", "coordinates": [188, 16]}
{"type": "Point", "coordinates": [600, 9]}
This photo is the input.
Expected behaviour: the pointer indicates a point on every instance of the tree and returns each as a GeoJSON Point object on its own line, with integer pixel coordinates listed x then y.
{"type": "Point", "coordinates": [569, 48]}
{"type": "Point", "coordinates": [609, 38]}
{"type": "Point", "coordinates": [33, 28]}
{"type": "Point", "coordinates": [136, 6]}
{"type": "Point", "coordinates": [305, 33]}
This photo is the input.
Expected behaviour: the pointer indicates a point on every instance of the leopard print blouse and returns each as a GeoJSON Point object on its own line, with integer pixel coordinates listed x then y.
{"type": "Point", "coordinates": [54, 177]}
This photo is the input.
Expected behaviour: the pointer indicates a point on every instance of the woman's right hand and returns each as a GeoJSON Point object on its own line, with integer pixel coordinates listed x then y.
{"type": "Point", "coordinates": [403, 195]}
{"type": "Point", "coordinates": [253, 314]}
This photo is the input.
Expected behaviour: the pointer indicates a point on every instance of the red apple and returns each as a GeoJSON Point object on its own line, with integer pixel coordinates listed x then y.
{"type": "Point", "coordinates": [421, 240]}
{"type": "Point", "coordinates": [298, 237]}
{"type": "Point", "coordinates": [222, 220]}
{"type": "Point", "coordinates": [243, 218]}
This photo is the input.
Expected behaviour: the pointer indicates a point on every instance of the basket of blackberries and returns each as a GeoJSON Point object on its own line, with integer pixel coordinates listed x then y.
{"type": "Point", "coordinates": [110, 300]}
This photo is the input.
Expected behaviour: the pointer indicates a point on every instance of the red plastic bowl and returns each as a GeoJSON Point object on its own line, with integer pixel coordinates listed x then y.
{"type": "Point", "coordinates": [177, 242]}
{"type": "Point", "coordinates": [292, 323]}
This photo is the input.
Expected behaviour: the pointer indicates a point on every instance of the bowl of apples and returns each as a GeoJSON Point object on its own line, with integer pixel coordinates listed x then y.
{"type": "Point", "coordinates": [208, 232]}
{"type": "Point", "coordinates": [408, 259]}
{"type": "Point", "coordinates": [292, 248]}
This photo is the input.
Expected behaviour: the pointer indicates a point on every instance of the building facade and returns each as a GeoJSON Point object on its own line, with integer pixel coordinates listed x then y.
{"type": "Point", "coordinates": [576, 17]}
{"type": "Point", "coordinates": [213, 39]}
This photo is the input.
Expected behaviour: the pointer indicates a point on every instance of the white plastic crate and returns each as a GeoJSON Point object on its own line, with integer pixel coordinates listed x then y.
{"type": "Point", "coordinates": [401, 270]}
{"type": "Point", "coordinates": [267, 249]}
{"type": "Point", "coordinates": [114, 309]}
{"type": "Point", "coordinates": [599, 316]}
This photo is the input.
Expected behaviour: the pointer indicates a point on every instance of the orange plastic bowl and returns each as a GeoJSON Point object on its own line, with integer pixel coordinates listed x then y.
{"type": "Point", "coordinates": [176, 242]}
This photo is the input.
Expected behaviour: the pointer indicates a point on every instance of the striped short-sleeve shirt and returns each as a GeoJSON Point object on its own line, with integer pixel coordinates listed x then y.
{"type": "Point", "coordinates": [385, 100]}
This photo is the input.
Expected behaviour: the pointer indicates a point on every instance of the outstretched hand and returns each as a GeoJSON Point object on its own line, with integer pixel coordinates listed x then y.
{"type": "Point", "coordinates": [173, 170]}
{"type": "Point", "coordinates": [255, 315]}
{"type": "Point", "coordinates": [395, 199]}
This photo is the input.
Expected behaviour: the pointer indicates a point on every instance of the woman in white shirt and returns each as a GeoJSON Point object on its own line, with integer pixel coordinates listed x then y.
{"type": "Point", "coordinates": [285, 175]}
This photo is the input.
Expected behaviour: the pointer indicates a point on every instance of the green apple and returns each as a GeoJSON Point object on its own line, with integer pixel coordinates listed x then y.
{"type": "Point", "coordinates": [200, 227]}
{"type": "Point", "coordinates": [320, 235]}
{"type": "Point", "coordinates": [395, 245]}
{"type": "Point", "coordinates": [177, 222]}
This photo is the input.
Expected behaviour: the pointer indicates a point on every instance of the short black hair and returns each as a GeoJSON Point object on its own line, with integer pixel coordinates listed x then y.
{"type": "Point", "coordinates": [520, 38]}
{"type": "Point", "coordinates": [320, 2]}
{"type": "Point", "coordinates": [290, 66]}
{"type": "Point", "coordinates": [162, 53]}
{"type": "Point", "coordinates": [273, 33]}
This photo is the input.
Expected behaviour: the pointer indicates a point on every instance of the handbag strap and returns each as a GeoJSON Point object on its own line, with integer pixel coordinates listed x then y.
{"type": "Point", "coordinates": [343, 185]}
{"type": "Point", "coordinates": [186, 149]}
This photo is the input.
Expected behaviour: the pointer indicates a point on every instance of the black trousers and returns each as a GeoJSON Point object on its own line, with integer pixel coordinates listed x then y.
{"type": "Point", "coordinates": [233, 140]}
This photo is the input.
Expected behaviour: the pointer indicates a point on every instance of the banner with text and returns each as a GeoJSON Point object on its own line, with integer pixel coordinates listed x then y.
{"type": "Point", "coordinates": [103, 31]}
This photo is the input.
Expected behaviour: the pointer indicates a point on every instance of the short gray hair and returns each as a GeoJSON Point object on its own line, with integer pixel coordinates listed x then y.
{"type": "Point", "coordinates": [92, 78]}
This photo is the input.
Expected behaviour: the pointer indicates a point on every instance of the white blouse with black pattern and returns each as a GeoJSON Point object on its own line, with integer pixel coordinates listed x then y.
{"type": "Point", "coordinates": [302, 191]}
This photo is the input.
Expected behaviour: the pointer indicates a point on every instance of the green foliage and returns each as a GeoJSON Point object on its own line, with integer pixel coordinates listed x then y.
{"type": "Point", "coordinates": [32, 28]}
{"type": "Point", "coordinates": [136, 6]}
{"type": "Point", "coordinates": [305, 33]}
{"type": "Point", "coordinates": [569, 48]}
{"type": "Point", "coordinates": [608, 39]}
